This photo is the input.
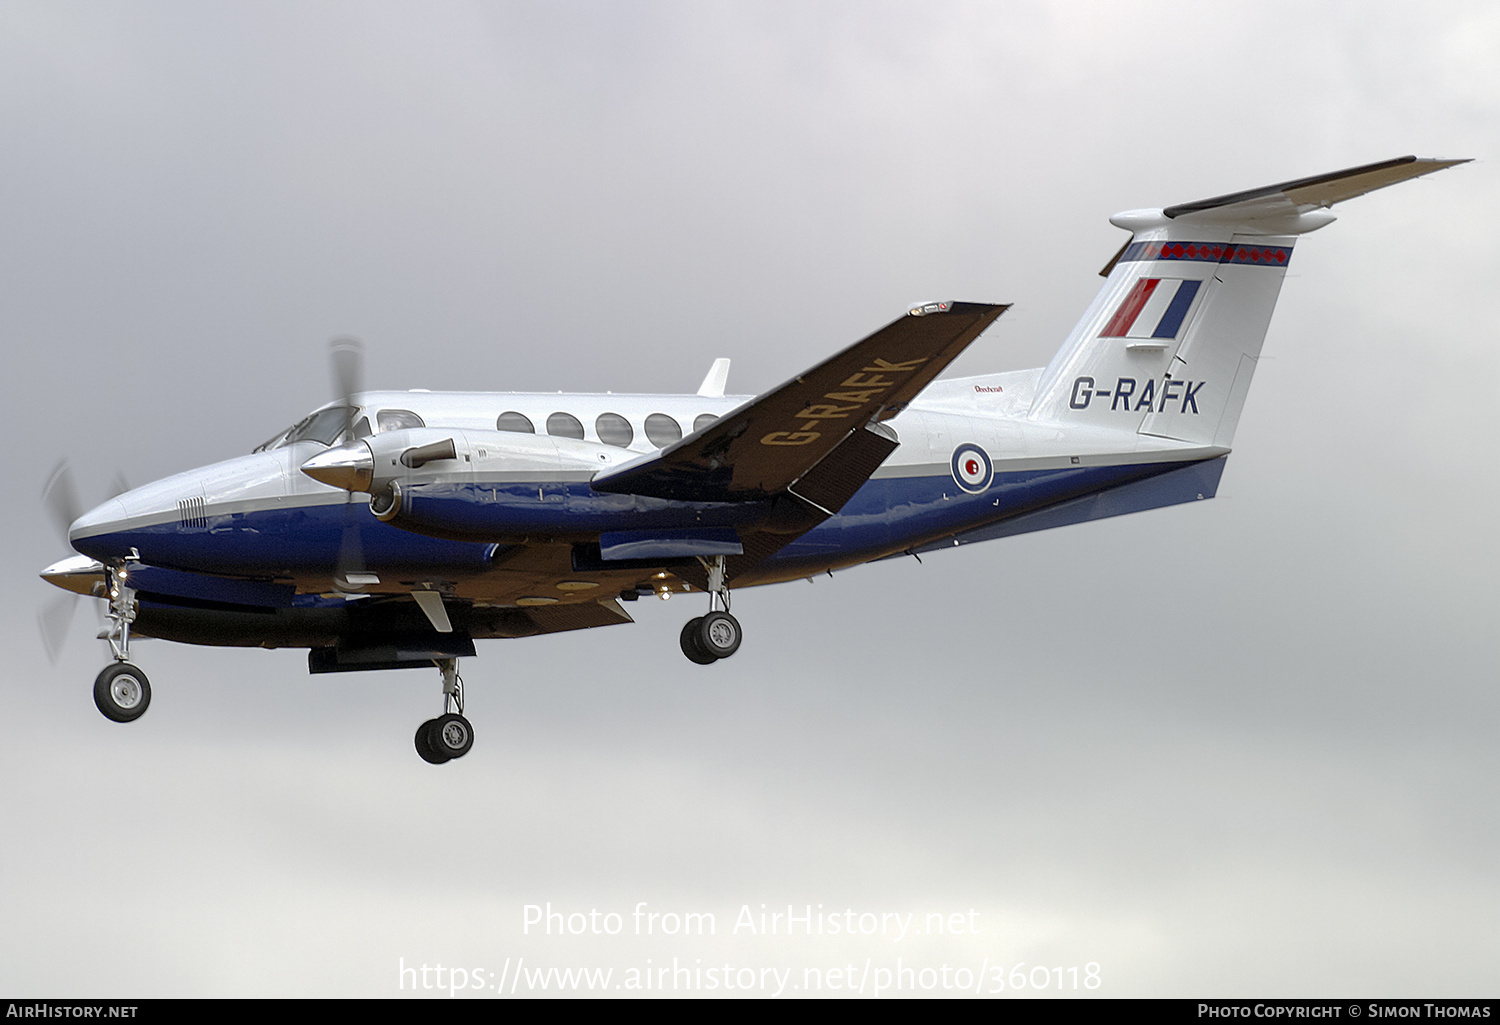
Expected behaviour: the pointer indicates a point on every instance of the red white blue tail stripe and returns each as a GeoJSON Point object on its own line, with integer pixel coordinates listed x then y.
{"type": "Point", "coordinates": [1154, 308]}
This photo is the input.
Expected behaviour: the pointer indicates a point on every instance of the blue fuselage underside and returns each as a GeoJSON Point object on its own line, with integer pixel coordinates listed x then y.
{"type": "Point", "coordinates": [886, 515]}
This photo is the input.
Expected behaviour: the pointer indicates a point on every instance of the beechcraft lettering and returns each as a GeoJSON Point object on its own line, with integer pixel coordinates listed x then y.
{"type": "Point", "coordinates": [1150, 398]}
{"type": "Point", "coordinates": [860, 390]}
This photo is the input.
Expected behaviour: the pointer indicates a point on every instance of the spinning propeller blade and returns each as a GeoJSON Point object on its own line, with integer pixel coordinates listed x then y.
{"type": "Point", "coordinates": [60, 498]}
{"type": "Point", "coordinates": [346, 360]}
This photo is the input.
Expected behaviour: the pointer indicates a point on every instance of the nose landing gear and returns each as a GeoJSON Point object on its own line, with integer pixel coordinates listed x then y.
{"type": "Point", "coordinates": [450, 735]}
{"type": "Point", "coordinates": [706, 639]}
{"type": "Point", "coordinates": [121, 691]}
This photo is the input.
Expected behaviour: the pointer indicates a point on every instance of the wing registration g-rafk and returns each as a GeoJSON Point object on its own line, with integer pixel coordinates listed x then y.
{"type": "Point", "coordinates": [391, 530]}
{"type": "Point", "coordinates": [766, 445]}
{"type": "Point", "coordinates": [808, 445]}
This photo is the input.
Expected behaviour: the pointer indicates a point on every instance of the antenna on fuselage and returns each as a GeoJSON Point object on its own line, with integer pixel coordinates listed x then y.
{"type": "Point", "coordinates": [718, 376]}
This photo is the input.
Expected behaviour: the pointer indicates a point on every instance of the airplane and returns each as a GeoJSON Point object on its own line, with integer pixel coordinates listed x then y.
{"type": "Point", "coordinates": [390, 530]}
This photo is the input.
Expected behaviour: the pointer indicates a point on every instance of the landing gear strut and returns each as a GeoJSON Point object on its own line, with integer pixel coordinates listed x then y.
{"type": "Point", "coordinates": [450, 735]}
{"type": "Point", "coordinates": [121, 691]}
{"type": "Point", "coordinates": [706, 639]}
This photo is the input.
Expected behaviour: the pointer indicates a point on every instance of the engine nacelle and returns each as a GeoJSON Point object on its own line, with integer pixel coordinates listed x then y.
{"type": "Point", "coordinates": [516, 478]}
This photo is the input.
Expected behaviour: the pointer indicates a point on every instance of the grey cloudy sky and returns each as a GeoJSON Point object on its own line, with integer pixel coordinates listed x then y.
{"type": "Point", "coordinates": [1238, 748]}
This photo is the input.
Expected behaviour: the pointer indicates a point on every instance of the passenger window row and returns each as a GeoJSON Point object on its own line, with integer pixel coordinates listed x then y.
{"type": "Point", "coordinates": [611, 428]}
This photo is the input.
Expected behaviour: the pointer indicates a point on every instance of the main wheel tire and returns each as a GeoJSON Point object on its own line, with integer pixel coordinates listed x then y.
{"type": "Point", "coordinates": [451, 736]}
{"type": "Point", "coordinates": [424, 744]}
{"type": "Point", "coordinates": [719, 634]}
{"type": "Point", "coordinates": [690, 646]}
{"type": "Point", "coordinates": [122, 692]}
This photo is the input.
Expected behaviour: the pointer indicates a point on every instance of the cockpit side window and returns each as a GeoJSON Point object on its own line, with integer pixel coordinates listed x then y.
{"type": "Point", "coordinates": [324, 427]}
{"type": "Point", "coordinates": [396, 420]}
{"type": "Point", "coordinates": [275, 441]}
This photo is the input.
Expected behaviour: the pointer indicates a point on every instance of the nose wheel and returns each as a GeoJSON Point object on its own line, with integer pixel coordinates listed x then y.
{"type": "Point", "coordinates": [450, 735]}
{"type": "Point", "coordinates": [706, 639]}
{"type": "Point", "coordinates": [122, 692]}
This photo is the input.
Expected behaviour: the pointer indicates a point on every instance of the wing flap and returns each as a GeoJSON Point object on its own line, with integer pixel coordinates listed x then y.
{"type": "Point", "coordinates": [844, 471]}
{"type": "Point", "coordinates": [813, 498]}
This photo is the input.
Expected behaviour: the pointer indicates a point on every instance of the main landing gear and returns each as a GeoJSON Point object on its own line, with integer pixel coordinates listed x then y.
{"type": "Point", "coordinates": [450, 735]}
{"type": "Point", "coordinates": [121, 691]}
{"type": "Point", "coordinates": [706, 639]}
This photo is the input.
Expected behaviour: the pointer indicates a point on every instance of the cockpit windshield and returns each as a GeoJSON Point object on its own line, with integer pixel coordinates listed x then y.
{"type": "Point", "coordinates": [324, 427]}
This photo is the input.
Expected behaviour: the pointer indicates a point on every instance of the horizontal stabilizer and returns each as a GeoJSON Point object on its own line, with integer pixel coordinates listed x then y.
{"type": "Point", "coordinates": [761, 448]}
{"type": "Point", "coordinates": [1321, 190]}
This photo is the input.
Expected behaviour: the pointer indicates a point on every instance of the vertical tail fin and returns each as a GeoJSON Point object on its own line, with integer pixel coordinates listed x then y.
{"type": "Point", "coordinates": [1170, 343]}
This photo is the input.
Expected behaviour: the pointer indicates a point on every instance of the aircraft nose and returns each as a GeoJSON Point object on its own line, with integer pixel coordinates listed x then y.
{"type": "Point", "coordinates": [350, 467]}
{"type": "Point", "coordinates": [97, 520]}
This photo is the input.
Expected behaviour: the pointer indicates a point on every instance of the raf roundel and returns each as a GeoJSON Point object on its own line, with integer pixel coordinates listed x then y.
{"type": "Point", "coordinates": [971, 468]}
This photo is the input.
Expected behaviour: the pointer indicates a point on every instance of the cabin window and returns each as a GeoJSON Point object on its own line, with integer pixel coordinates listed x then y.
{"type": "Point", "coordinates": [704, 419]}
{"type": "Point", "coordinates": [662, 430]}
{"type": "Point", "coordinates": [397, 420]}
{"type": "Point", "coordinates": [516, 423]}
{"type": "Point", "coordinates": [564, 425]}
{"type": "Point", "coordinates": [614, 429]}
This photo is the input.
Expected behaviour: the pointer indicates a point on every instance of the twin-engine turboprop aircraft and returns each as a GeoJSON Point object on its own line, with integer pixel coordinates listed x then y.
{"type": "Point", "coordinates": [393, 529]}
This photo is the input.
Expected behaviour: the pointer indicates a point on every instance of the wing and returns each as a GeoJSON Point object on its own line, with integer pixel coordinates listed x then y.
{"type": "Point", "coordinates": [810, 444]}
{"type": "Point", "coordinates": [771, 442]}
